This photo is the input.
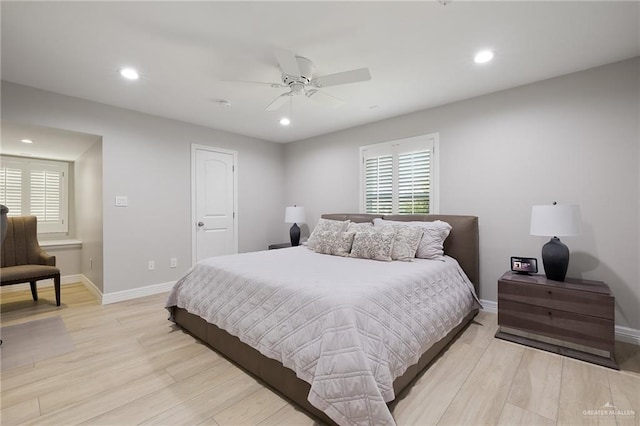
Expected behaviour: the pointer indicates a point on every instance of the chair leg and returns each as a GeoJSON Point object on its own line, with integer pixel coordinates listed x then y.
{"type": "Point", "coordinates": [34, 291]}
{"type": "Point", "coordinates": [56, 283]}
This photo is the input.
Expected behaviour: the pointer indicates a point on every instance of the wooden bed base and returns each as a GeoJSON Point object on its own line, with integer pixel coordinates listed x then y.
{"type": "Point", "coordinates": [462, 244]}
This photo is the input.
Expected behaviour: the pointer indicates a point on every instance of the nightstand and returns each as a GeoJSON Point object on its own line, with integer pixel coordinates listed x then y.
{"type": "Point", "coordinates": [279, 246]}
{"type": "Point", "coordinates": [574, 318]}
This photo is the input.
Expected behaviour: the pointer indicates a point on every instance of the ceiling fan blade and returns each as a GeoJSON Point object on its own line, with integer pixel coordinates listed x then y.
{"type": "Point", "coordinates": [353, 76]}
{"type": "Point", "coordinates": [257, 83]}
{"type": "Point", "coordinates": [279, 102]}
{"type": "Point", "coordinates": [288, 63]}
{"type": "Point", "coordinates": [324, 99]}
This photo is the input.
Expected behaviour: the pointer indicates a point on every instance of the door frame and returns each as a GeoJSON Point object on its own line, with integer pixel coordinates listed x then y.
{"type": "Point", "coordinates": [194, 219]}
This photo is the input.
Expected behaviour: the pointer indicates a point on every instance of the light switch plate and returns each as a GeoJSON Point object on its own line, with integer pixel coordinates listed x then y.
{"type": "Point", "coordinates": [121, 201]}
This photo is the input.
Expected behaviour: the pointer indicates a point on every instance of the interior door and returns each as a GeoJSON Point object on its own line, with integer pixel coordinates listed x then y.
{"type": "Point", "coordinates": [214, 202]}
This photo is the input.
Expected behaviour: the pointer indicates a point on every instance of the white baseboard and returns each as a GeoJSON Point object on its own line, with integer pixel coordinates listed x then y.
{"type": "Point", "coordinates": [104, 299]}
{"type": "Point", "coordinates": [92, 288]}
{"type": "Point", "coordinates": [67, 279]}
{"type": "Point", "coordinates": [134, 293]}
{"type": "Point", "coordinates": [628, 335]}
{"type": "Point", "coordinates": [623, 334]}
{"type": "Point", "coordinates": [489, 306]}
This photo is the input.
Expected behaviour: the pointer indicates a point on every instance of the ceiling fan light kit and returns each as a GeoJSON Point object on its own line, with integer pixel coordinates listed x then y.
{"type": "Point", "coordinates": [297, 75]}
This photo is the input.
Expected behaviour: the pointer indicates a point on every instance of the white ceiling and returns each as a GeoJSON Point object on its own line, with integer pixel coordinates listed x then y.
{"type": "Point", "coordinates": [53, 144]}
{"type": "Point", "coordinates": [420, 54]}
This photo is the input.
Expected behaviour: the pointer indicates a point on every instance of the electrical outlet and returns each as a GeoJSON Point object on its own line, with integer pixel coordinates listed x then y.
{"type": "Point", "coordinates": [152, 265]}
{"type": "Point", "coordinates": [174, 262]}
{"type": "Point", "coordinates": [121, 201]}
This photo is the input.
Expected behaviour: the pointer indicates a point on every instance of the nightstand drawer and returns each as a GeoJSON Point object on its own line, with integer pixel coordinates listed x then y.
{"type": "Point", "coordinates": [579, 302]}
{"type": "Point", "coordinates": [567, 326]}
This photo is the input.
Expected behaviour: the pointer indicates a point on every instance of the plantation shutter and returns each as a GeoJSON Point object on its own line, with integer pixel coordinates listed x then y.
{"type": "Point", "coordinates": [45, 194]}
{"type": "Point", "coordinates": [398, 177]}
{"type": "Point", "coordinates": [36, 187]}
{"type": "Point", "coordinates": [414, 182]}
{"type": "Point", "coordinates": [379, 184]}
{"type": "Point", "coordinates": [11, 189]}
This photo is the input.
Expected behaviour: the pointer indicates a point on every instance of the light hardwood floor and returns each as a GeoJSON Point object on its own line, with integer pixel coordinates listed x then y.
{"type": "Point", "coordinates": [132, 366]}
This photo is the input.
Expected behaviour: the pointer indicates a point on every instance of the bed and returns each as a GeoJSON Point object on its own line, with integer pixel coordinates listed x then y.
{"type": "Point", "coordinates": [340, 337]}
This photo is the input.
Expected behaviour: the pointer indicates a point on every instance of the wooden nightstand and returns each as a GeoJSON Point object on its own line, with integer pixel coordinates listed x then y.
{"type": "Point", "coordinates": [573, 318]}
{"type": "Point", "coordinates": [279, 246]}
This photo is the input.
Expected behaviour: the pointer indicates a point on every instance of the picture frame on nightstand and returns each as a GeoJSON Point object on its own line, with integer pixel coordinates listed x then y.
{"type": "Point", "coordinates": [524, 265]}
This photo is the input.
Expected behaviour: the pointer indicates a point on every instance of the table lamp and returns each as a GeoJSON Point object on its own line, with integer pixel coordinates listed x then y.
{"type": "Point", "coordinates": [555, 221]}
{"type": "Point", "coordinates": [294, 215]}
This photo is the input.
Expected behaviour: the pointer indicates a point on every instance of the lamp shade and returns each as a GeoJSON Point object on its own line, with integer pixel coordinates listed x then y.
{"type": "Point", "coordinates": [555, 220]}
{"type": "Point", "coordinates": [294, 214]}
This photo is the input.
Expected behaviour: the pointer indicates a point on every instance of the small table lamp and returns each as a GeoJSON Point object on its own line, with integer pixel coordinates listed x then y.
{"type": "Point", "coordinates": [555, 221]}
{"type": "Point", "coordinates": [294, 215]}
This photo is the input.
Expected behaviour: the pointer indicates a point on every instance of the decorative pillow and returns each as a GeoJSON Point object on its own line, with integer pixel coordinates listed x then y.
{"type": "Point", "coordinates": [374, 244]}
{"type": "Point", "coordinates": [406, 242]}
{"type": "Point", "coordinates": [336, 243]}
{"type": "Point", "coordinates": [327, 225]}
{"type": "Point", "coordinates": [360, 227]}
{"type": "Point", "coordinates": [432, 243]}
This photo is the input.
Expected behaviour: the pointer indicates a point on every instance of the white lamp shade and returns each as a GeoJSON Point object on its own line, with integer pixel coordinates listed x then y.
{"type": "Point", "coordinates": [294, 214]}
{"type": "Point", "coordinates": [555, 220]}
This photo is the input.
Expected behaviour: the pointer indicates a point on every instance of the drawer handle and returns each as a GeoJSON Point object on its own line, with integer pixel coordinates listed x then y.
{"type": "Point", "coordinates": [549, 292]}
{"type": "Point", "coordinates": [549, 313]}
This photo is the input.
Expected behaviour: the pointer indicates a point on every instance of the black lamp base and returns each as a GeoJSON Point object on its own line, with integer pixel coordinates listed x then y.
{"type": "Point", "coordinates": [555, 258]}
{"type": "Point", "coordinates": [294, 233]}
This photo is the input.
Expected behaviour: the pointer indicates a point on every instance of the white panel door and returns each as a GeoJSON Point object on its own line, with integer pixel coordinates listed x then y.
{"type": "Point", "coordinates": [215, 230]}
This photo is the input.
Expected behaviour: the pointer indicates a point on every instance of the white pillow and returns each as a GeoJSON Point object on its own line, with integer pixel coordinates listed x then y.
{"type": "Point", "coordinates": [327, 225]}
{"type": "Point", "coordinates": [376, 245]}
{"type": "Point", "coordinates": [405, 244]}
{"type": "Point", "coordinates": [335, 243]}
{"type": "Point", "coordinates": [432, 243]}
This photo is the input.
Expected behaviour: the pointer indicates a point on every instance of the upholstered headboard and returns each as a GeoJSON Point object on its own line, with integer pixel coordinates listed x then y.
{"type": "Point", "coordinates": [462, 243]}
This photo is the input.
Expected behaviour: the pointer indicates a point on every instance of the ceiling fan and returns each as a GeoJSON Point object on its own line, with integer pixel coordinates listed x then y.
{"type": "Point", "coordinates": [297, 76]}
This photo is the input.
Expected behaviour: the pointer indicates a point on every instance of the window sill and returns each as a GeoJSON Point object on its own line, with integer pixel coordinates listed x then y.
{"type": "Point", "coordinates": [55, 244]}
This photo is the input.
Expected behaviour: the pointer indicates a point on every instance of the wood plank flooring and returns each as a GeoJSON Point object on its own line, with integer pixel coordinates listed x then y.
{"type": "Point", "coordinates": [131, 366]}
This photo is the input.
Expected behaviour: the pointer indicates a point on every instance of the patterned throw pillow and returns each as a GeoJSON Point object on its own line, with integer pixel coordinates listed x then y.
{"type": "Point", "coordinates": [327, 225]}
{"type": "Point", "coordinates": [432, 243]}
{"type": "Point", "coordinates": [360, 227]}
{"type": "Point", "coordinates": [406, 242]}
{"type": "Point", "coordinates": [374, 244]}
{"type": "Point", "coordinates": [335, 243]}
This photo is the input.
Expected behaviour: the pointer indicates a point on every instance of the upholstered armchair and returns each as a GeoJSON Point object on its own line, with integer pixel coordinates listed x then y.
{"type": "Point", "coordinates": [23, 260]}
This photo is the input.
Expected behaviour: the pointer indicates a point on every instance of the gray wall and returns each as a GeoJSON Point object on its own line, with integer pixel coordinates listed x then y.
{"type": "Point", "coordinates": [571, 139]}
{"type": "Point", "coordinates": [88, 196]}
{"type": "Point", "coordinates": [147, 158]}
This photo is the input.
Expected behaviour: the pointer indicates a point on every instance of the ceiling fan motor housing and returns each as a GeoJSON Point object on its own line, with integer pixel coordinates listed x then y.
{"type": "Point", "coordinates": [297, 83]}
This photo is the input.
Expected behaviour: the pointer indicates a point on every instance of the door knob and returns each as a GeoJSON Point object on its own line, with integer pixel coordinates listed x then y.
{"type": "Point", "coordinates": [200, 224]}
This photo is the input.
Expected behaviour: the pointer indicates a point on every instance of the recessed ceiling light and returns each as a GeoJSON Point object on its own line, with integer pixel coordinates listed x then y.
{"type": "Point", "coordinates": [285, 121]}
{"type": "Point", "coordinates": [26, 141]}
{"type": "Point", "coordinates": [483, 56]}
{"type": "Point", "coordinates": [129, 73]}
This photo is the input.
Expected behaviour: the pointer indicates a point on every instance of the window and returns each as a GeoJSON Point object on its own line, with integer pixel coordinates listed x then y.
{"type": "Point", "coordinates": [399, 177]}
{"type": "Point", "coordinates": [36, 187]}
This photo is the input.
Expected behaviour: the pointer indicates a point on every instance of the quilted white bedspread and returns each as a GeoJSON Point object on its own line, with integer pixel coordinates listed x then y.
{"type": "Point", "coordinates": [346, 326]}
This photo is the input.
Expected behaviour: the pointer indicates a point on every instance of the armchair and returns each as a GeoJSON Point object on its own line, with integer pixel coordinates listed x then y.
{"type": "Point", "coordinates": [23, 260]}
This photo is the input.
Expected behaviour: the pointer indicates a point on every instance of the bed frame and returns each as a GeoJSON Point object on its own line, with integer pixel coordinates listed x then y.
{"type": "Point", "coordinates": [462, 244]}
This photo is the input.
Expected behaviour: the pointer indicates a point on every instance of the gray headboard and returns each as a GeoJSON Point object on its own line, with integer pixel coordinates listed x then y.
{"type": "Point", "coordinates": [462, 243]}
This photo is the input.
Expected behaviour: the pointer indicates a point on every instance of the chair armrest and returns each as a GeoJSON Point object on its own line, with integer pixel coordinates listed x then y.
{"type": "Point", "coordinates": [45, 258]}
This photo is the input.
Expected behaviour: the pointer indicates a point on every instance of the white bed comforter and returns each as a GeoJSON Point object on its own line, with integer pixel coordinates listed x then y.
{"type": "Point", "coordinates": [346, 326]}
